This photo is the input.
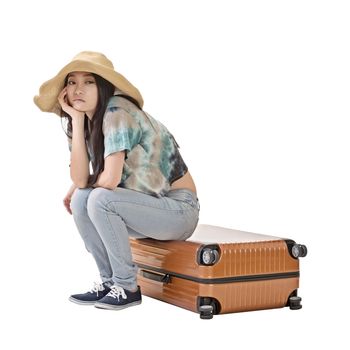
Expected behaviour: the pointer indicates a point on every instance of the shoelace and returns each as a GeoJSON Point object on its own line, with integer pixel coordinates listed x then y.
{"type": "Point", "coordinates": [116, 292]}
{"type": "Point", "coordinates": [98, 287]}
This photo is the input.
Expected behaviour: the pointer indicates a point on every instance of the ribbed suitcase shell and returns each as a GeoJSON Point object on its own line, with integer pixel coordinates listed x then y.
{"type": "Point", "coordinates": [266, 260]}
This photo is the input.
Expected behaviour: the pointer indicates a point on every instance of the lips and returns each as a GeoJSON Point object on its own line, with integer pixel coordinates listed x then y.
{"type": "Point", "coordinates": [78, 100]}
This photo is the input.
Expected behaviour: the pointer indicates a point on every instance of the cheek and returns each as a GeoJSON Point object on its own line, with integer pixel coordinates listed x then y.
{"type": "Point", "coordinates": [94, 97]}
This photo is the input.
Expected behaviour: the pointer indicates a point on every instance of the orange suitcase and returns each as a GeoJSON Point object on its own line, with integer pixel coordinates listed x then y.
{"type": "Point", "coordinates": [220, 270]}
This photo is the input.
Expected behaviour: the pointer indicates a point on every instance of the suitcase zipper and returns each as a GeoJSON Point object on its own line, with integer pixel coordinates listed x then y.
{"type": "Point", "coordinates": [166, 276]}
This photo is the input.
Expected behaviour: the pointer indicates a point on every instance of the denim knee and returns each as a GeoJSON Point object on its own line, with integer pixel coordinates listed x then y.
{"type": "Point", "coordinates": [96, 200]}
{"type": "Point", "coordinates": [79, 200]}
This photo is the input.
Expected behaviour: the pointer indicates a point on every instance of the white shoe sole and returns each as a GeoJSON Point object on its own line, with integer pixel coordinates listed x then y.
{"type": "Point", "coordinates": [116, 307]}
{"type": "Point", "coordinates": [80, 302]}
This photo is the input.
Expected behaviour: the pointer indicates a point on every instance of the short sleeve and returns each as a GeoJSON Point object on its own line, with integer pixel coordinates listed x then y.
{"type": "Point", "coordinates": [121, 131]}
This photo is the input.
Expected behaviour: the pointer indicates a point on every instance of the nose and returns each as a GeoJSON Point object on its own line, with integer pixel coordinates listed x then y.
{"type": "Point", "coordinates": [78, 89]}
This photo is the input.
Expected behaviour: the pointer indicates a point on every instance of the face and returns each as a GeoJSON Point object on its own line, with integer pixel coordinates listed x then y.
{"type": "Point", "coordinates": [82, 92]}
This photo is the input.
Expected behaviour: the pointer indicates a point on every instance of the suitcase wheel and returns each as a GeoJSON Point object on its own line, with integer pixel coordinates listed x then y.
{"type": "Point", "coordinates": [294, 303]}
{"type": "Point", "coordinates": [296, 250]}
{"type": "Point", "coordinates": [208, 255]}
{"type": "Point", "coordinates": [299, 250]}
{"type": "Point", "coordinates": [206, 312]}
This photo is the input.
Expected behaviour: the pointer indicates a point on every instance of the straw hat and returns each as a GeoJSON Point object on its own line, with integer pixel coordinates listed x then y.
{"type": "Point", "coordinates": [86, 61]}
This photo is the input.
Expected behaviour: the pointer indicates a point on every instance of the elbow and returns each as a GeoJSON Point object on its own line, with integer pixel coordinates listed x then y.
{"type": "Point", "coordinates": [80, 183]}
{"type": "Point", "coordinates": [80, 179]}
{"type": "Point", "coordinates": [111, 185]}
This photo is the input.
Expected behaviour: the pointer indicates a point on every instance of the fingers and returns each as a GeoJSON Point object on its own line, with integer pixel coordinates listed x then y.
{"type": "Point", "coordinates": [63, 101]}
{"type": "Point", "coordinates": [68, 209]}
{"type": "Point", "coordinates": [62, 98]}
{"type": "Point", "coordinates": [65, 105]}
{"type": "Point", "coordinates": [66, 203]}
{"type": "Point", "coordinates": [62, 94]}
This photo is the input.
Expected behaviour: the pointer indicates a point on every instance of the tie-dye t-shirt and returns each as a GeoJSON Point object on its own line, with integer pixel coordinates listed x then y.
{"type": "Point", "coordinates": [153, 161]}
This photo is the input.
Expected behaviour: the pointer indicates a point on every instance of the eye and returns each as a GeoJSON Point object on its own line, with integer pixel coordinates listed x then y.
{"type": "Point", "coordinates": [90, 82]}
{"type": "Point", "coordinates": [70, 82]}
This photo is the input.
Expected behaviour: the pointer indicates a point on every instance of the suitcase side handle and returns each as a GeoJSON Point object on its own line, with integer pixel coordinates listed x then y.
{"type": "Point", "coordinates": [158, 277]}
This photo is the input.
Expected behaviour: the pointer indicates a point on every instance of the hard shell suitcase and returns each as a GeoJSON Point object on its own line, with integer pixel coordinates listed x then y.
{"type": "Point", "coordinates": [220, 270]}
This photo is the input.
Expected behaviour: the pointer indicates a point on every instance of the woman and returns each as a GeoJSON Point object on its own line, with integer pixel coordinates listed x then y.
{"type": "Point", "coordinates": [139, 187]}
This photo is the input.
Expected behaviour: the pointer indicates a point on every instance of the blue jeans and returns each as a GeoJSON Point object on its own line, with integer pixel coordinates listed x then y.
{"type": "Point", "coordinates": [105, 219]}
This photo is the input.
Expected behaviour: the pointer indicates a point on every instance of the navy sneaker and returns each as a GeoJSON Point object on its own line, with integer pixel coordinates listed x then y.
{"type": "Point", "coordinates": [119, 298]}
{"type": "Point", "coordinates": [89, 298]}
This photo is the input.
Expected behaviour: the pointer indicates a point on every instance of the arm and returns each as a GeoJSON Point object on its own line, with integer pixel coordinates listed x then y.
{"type": "Point", "coordinates": [79, 166]}
{"type": "Point", "coordinates": [111, 175]}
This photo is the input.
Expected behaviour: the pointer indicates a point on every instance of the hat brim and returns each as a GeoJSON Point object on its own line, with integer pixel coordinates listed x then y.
{"type": "Point", "coordinates": [49, 91]}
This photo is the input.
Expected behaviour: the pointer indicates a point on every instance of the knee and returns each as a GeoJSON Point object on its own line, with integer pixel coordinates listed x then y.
{"type": "Point", "coordinates": [79, 200]}
{"type": "Point", "coordinates": [97, 200]}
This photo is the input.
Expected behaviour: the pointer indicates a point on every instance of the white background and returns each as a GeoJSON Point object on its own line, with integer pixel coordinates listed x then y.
{"type": "Point", "coordinates": [256, 94]}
